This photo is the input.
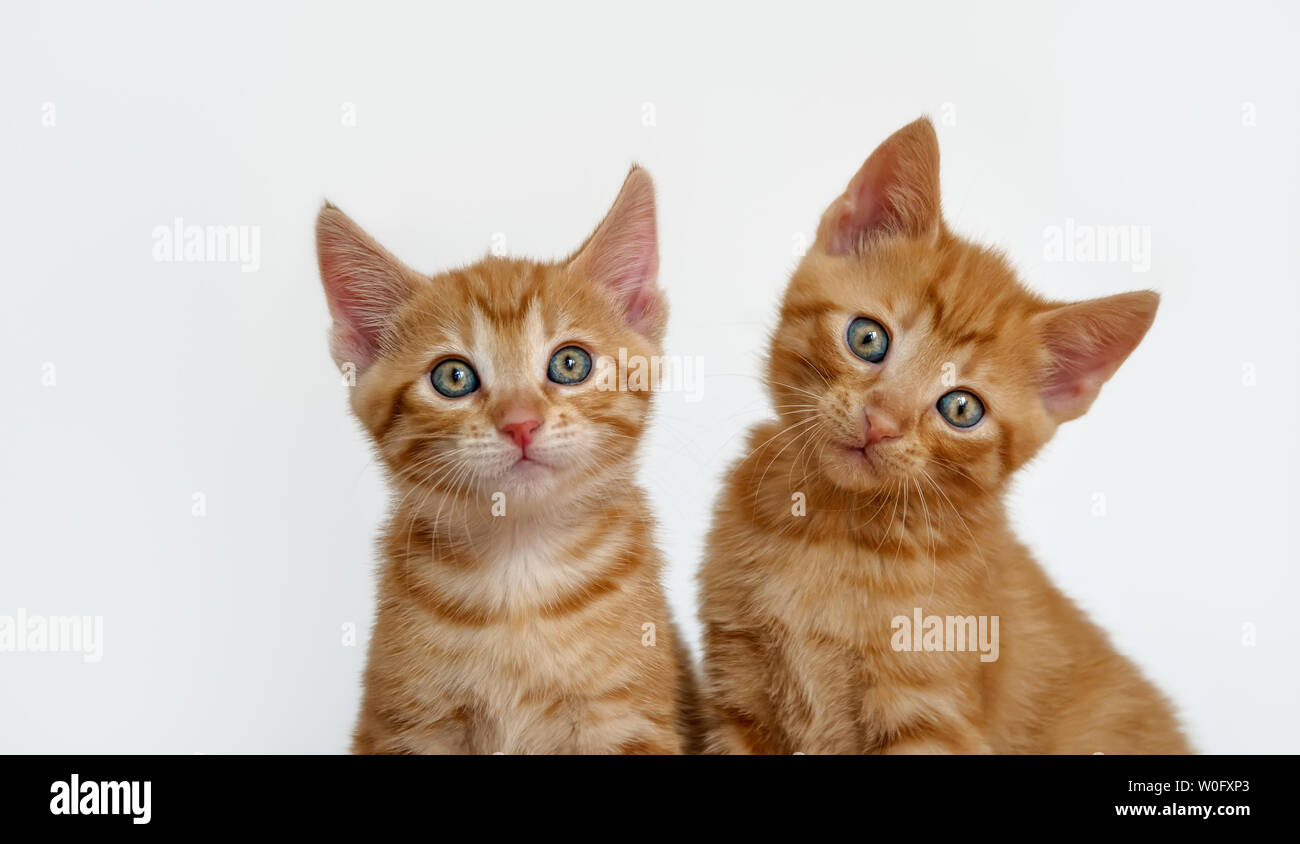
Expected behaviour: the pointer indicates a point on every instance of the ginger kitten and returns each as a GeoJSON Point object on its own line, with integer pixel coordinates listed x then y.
{"type": "Point", "coordinates": [912, 375]}
{"type": "Point", "coordinates": [520, 608]}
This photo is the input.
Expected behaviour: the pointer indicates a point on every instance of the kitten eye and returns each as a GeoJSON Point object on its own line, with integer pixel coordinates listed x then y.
{"type": "Point", "coordinates": [570, 365]}
{"type": "Point", "coordinates": [868, 339]}
{"type": "Point", "coordinates": [454, 378]}
{"type": "Point", "coordinates": [961, 408]}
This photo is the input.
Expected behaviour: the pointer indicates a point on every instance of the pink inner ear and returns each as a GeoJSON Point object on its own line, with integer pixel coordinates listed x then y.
{"type": "Point", "coordinates": [864, 215]}
{"type": "Point", "coordinates": [356, 329]}
{"type": "Point", "coordinates": [895, 191]}
{"type": "Point", "coordinates": [1086, 343]}
{"type": "Point", "coordinates": [867, 212]}
{"type": "Point", "coordinates": [1077, 372]}
{"type": "Point", "coordinates": [639, 280]}
{"type": "Point", "coordinates": [347, 344]}
{"type": "Point", "coordinates": [623, 253]}
{"type": "Point", "coordinates": [364, 285]}
{"type": "Point", "coordinates": [626, 256]}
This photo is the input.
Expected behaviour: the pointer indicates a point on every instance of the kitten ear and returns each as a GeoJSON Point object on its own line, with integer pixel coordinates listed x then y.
{"type": "Point", "coordinates": [1086, 342]}
{"type": "Point", "coordinates": [623, 255]}
{"type": "Point", "coordinates": [895, 192]}
{"type": "Point", "coordinates": [364, 285]}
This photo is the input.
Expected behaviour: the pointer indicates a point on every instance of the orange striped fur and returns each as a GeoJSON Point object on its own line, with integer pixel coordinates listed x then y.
{"type": "Point", "coordinates": [540, 628]}
{"type": "Point", "coordinates": [798, 607]}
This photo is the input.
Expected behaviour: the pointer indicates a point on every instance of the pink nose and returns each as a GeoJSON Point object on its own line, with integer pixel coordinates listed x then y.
{"type": "Point", "coordinates": [879, 428]}
{"type": "Point", "coordinates": [521, 432]}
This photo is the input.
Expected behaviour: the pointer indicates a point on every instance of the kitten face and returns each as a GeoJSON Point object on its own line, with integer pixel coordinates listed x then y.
{"type": "Point", "coordinates": [518, 430]}
{"type": "Point", "coordinates": [907, 355]}
{"type": "Point", "coordinates": [496, 378]}
{"type": "Point", "coordinates": [954, 320]}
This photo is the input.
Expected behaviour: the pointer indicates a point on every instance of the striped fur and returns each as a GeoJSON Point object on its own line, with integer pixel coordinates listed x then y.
{"type": "Point", "coordinates": [543, 628]}
{"type": "Point", "coordinates": [797, 606]}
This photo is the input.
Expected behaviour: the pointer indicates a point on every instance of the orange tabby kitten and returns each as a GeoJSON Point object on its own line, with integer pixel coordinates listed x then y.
{"type": "Point", "coordinates": [520, 609]}
{"type": "Point", "coordinates": [863, 592]}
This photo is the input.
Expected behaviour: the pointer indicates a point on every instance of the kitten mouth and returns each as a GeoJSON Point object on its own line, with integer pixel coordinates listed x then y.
{"type": "Point", "coordinates": [528, 464]}
{"type": "Point", "coordinates": [859, 455]}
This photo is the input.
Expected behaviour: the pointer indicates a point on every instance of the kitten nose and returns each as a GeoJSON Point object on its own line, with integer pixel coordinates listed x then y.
{"type": "Point", "coordinates": [521, 431]}
{"type": "Point", "coordinates": [879, 427]}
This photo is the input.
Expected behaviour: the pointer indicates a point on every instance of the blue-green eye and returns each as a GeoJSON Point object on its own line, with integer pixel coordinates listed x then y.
{"type": "Point", "coordinates": [454, 378]}
{"type": "Point", "coordinates": [961, 408]}
{"type": "Point", "coordinates": [868, 339]}
{"type": "Point", "coordinates": [570, 365]}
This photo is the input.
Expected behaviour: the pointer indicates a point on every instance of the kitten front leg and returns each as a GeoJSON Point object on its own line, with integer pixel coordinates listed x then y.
{"type": "Point", "coordinates": [941, 742]}
{"type": "Point", "coordinates": [935, 726]}
{"type": "Point", "coordinates": [734, 732]}
{"type": "Point", "coordinates": [657, 743]}
{"type": "Point", "coordinates": [650, 731]}
{"type": "Point", "coordinates": [376, 734]}
{"type": "Point", "coordinates": [736, 705]}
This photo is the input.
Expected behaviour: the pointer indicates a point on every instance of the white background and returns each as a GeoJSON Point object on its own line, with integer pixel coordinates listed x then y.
{"type": "Point", "coordinates": [223, 633]}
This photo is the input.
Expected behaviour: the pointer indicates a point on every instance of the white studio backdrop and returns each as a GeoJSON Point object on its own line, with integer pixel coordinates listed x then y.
{"type": "Point", "coordinates": [137, 393]}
